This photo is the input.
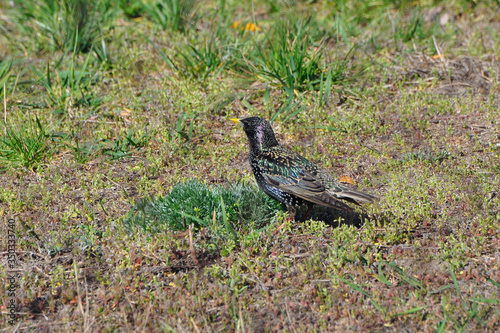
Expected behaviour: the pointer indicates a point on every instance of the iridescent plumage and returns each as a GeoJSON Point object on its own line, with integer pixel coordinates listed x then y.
{"type": "Point", "coordinates": [289, 177]}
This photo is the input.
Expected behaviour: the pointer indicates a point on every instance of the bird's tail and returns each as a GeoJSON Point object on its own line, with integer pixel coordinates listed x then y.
{"type": "Point", "coordinates": [326, 199]}
{"type": "Point", "coordinates": [356, 197]}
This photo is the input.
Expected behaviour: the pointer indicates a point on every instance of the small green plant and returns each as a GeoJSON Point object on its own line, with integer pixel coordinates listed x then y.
{"type": "Point", "coordinates": [469, 306]}
{"type": "Point", "coordinates": [82, 151]}
{"type": "Point", "coordinates": [224, 210]}
{"type": "Point", "coordinates": [69, 88]}
{"type": "Point", "coordinates": [121, 148]}
{"type": "Point", "coordinates": [361, 290]}
{"type": "Point", "coordinates": [426, 155]}
{"type": "Point", "coordinates": [288, 109]}
{"type": "Point", "coordinates": [175, 15]}
{"type": "Point", "coordinates": [5, 74]}
{"type": "Point", "coordinates": [24, 145]}
{"type": "Point", "coordinates": [181, 131]}
{"type": "Point", "coordinates": [203, 60]}
{"type": "Point", "coordinates": [333, 74]}
{"type": "Point", "coordinates": [288, 58]}
{"type": "Point", "coordinates": [88, 241]}
{"type": "Point", "coordinates": [11, 70]}
{"type": "Point", "coordinates": [131, 8]}
{"type": "Point", "coordinates": [115, 149]}
{"type": "Point", "coordinates": [65, 24]}
{"type": "Point", "coordinates": [407, 30]}
{"type": "Point", "coordinates": [184, 127]}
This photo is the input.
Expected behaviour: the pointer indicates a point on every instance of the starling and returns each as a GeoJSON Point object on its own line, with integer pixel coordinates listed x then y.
{"type": "Point", "coordinates": [289, 177]}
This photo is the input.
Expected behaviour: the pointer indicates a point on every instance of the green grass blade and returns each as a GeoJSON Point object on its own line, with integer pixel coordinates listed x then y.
{"type": "Point", "coordinates": [496, 284]}
{"type": "Point", "coordinates": [457, 288]}
{"type": "Point", "coordinates": [228, 226]}
{"type": "Point", "coordinates": [442, 327]}
{"type": "Point", "coordinates": [407, 312]}
{"type": "Point", "coordinates": [194, 218]}
{"type": "Point", "coordinates": [487, 300]}
{"type": "Point", "coordinates": [441, 289]}
{"type": "Point", "coordinates": [381, 277]}
{"type": "Point", "coordinates": [327, 86]}
{"type": "Point", "coordinates": [412, 281]}
{"type": "Point", "coordinates": [165, 58]}
{"type": "Point", "coordinates": [359, 289]}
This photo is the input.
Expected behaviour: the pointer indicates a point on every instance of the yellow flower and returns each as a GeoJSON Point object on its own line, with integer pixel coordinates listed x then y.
{"type": "Point", "coordinates": [252, 27]}
{"type": "Point", "coordinates": [247, 27]}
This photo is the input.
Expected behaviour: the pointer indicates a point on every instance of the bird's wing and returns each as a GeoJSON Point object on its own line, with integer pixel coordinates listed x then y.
{"type": "Point", "coordinates": [341, 191]}
{"type": "Point", "coordinates": [294, 174]}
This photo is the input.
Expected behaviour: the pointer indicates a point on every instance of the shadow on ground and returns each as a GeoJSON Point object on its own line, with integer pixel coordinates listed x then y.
{"type": "Point", "coordinates": [333, 217]}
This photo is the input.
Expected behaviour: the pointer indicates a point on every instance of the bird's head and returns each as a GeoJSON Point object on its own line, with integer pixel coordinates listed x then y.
{"type": "Point", "coordinates": [259, 133]}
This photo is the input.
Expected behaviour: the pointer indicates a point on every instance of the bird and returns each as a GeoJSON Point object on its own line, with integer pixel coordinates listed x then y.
{"type": "Point", "coordinates": [290, 178]}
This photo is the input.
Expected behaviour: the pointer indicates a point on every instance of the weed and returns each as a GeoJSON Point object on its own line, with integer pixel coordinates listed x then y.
{"type": "Point", "coordinates": [121, 148]}
{"type": "Point", "coordinates": [5, 75]}
{"type": "Point", "coordinates": [203, 60]}
{"type": "Point", "coordinates": [25, 144]}
{"type": "Point", "coordinates": [426, 155]}
{"type": "Point", "coordinates": [175, 15]}
{"type": "Point", "coordinates": [82, 152]}
{"type": "Point", "coordinates": [288, 58]}
{"type": "Point", "coordinates": [131, 8]}
{"type": "Point", "coordinates": [216, 207]}
{"type": "Point", "coordinates": [362, 291]}
{"type": "Point", "coordinates": [115, 149]}
{"type": "Point", "coordinates": [70, 25]}
{"type": "Point", "coordinates": [182, 131]}
{"type": "Point", "coordinates": [289, 109]}
{"type": "Point", "coordinates": [67, 89]}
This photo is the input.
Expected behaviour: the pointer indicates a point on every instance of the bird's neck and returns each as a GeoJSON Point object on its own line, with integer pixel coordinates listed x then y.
{"type": "Point", "coordinates": [262, 142]}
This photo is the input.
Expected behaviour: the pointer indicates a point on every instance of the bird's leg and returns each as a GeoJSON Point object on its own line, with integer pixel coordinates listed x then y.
{"type": "Point", "coordinates": [309, 208]}
{"type": "Point", "coordinates": [291, 216]}
{"type": "Point", "coordinates": [291, 212]}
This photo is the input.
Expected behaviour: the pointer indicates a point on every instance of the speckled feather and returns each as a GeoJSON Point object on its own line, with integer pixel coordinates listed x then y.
{"type": "Point", "coordinates": [289, 177]}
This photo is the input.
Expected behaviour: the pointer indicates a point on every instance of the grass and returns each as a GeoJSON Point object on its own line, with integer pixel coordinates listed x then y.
{"type": "Point", "coordinates": [115, 139]}
{"type": "Point", "coordinates": [226, 215]}
{"type": "Point", "coordinates": [426, 155]}
{"type": "Point", "coordinates": [25, 144]}
{"type": "Point", "coordinates": [175, 15]}
{"type": "Point", "coordinates": [121, 148]}
{"type": "Point", "coordinates": [286, 57]}
{"type": "Point", "coordinates": [203, 60]}
{"type": "Point", "coordinates": [64, 24]}
{"type": "Point", "coordinates": [69, 88]}
{"type": "Point", "coordinates": [195, 203]}
{"type": "Point", "coordinates": [5, 74]}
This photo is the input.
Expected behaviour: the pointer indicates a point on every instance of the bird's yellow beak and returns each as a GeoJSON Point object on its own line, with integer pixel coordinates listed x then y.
{"type": "Point", "coordinates": [235, 120]}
